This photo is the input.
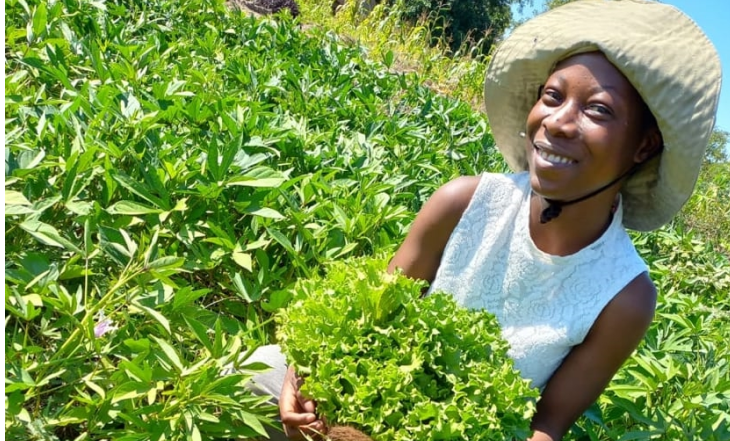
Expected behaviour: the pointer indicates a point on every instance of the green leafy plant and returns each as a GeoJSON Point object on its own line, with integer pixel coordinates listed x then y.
{"type": "Point", "coordinates": [400, 367]}
{"type": "Point", "coordinates": [677, 384]}
{"type": "Point", "coordinates": [172, 168]}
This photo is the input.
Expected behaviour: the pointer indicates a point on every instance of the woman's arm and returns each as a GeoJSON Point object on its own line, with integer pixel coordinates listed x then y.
{"type": "Point", "coordinates": [589, 367]}
{"type": "Point", "coordinates": [420, 254]}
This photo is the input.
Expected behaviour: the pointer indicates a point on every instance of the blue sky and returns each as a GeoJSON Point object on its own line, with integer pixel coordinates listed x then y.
{"type": "Point", "coordinates": [713, 16]}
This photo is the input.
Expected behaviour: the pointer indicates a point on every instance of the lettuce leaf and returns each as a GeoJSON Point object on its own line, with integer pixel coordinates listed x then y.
{"type": "Point", "coordinates": [379, 357]}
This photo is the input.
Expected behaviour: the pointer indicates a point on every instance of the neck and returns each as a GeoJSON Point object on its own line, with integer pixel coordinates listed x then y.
{"type": "Point", "coordinates": [578, 225]}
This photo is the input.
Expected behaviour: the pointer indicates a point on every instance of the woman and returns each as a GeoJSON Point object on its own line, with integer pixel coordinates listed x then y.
{"type": "Point", "coordinates": [603, 110]}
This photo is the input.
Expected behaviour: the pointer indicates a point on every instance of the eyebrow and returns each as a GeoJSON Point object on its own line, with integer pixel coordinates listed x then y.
{"type": "Point", "coordinates": [596, 89]}
{"type": "Point", "coordinates": [605, 88]}
{"type": "Point", "coordinates": [600, 88]}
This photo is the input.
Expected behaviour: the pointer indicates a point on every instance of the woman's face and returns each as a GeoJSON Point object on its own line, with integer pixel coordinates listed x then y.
{"type": "Point", "coordinates": [585, 129]}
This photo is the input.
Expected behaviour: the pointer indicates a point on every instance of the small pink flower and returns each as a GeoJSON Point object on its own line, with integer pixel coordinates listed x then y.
{"type": "Point", "coordinates": [103, 326]}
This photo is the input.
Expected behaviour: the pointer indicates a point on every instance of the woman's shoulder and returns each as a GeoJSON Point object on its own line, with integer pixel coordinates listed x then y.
{"type": "Point", "coordinates": [635, 304]}
{"type": "Point", "coordinates": [454, 196]}
{"type": "Point", "coordinates": [420, 254]}
{"type": "Point", "coordinates": [478, 195]}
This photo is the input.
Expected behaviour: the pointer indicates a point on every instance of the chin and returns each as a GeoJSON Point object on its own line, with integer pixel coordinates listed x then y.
{"type": "Point", "coordinates": [550, 189]}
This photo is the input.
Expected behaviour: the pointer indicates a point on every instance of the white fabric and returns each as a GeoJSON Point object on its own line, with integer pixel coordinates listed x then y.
{"type": "Point", "coordinates": [545, 304]}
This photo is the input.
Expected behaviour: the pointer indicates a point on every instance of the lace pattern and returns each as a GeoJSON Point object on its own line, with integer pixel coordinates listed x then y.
{"type": "Point", "coordinates": [545, 304]}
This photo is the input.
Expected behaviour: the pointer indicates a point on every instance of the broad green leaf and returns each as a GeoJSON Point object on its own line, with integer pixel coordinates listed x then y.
{"type": "Point", "coordinates": [136, 372]}
{"type": "Point", "coordinates": [115, 245]}
{"type": "Point", "coordinates": [130, 106]}
{"type": "Point", "coordinates": [277, 300]}
{"type": "Point", "coordinates": [142, 345]}
{"type": "Point", "coordinates": [47, 379]}
{"type": "Point", "coordinates": [186, 296]}
{"type": "Point", "coordinates": [170, 353]}
{"type": "Point", "coordinates": [259, 177]}
{"type": "Point", "coordinates": [25, 381]}
{"type": "Point", "coordinates": [33, 299]}
{"type": "Point", "coordinates": [218, 339]}
{"type": "Point", "coordinates": [242, 259]}
{"type": "Point", "coordinates": [281, 239]}
{"type": "Point", "coordinates": [205, 416]}
{"type": "Point", "coordinates": [267, 212]}
{"type": "Point", "coordinates": [95, 387]}
{"type": "Point", "coordinates": [15, 198]}
{"type": "Point", "coordinates": [155, 315]}
{"type": "Point", "coordinates": [151, 396]}
{"type": "Point", "coordinates": [200, 332]}
{"type": "Point", "coordinates": [243, 289]}
{"type": "Point", "coordinates": [17, 210]}
{"type": "Point", "coordinates": [253, 422]}
{"type": "Point", "coordinates": [195, 436]}
{"type": "Point", "coordinates": [167, 262]}
{"type": "Point", "coordinates": [174, 86]}
{"type": "Point", "coordinates": [151, 252]}
{"type": "Point", "coordinates": [81, 208]}
{"type": "Point", "coordinates": [40, 18]}
{"type": "Point", "coordinates": [128, 391]}
{"type": "Point", "coordinates": [139, 189]}
{"type": "Point", "coordinates": [28, 160]}
{"type": "Point", "coordinates": [249, 182]}
{"type": "Point", "coordinates": [48, 235]}
{"type": "Point", "coordinates": [131, 208]}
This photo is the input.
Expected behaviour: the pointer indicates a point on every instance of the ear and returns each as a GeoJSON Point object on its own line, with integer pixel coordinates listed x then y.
{"type": "Point", "coordinates": [651, 145]}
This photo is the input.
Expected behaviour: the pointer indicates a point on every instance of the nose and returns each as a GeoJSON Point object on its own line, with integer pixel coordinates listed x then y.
{"type": "Point", "coordinates": [562, 121]}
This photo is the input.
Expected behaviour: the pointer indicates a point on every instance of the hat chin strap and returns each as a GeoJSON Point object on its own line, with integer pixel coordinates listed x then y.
{"type": "Point", "coordinates": [555, 206]}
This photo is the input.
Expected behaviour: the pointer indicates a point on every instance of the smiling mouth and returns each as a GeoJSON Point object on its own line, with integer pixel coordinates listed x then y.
{"type": "Point", "coordinates": [552, 157]}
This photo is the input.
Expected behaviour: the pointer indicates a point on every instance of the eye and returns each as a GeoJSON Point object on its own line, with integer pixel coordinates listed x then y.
{"type": "Point", "coordinates": [551, 96]}
{"type": "Point", "coordinates": [599, 109]}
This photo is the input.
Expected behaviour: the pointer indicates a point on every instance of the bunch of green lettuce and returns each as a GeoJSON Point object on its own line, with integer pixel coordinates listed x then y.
{"type": "Point", "coordinates": [377, 356]}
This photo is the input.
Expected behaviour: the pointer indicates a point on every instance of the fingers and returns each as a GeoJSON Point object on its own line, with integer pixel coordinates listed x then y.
{"type": "Point", "coordinates": [297, 422]}
{"type": "Point", "coordinates": [298, 432]}
{"type": "Point", "coordinates": [297, 412]}
{"type": "Point", "coordinates": [292, 397]}
{"type": "Point", "coordinates": [306, 404]}
{"type": "Point", "coordinates": [290, 410]}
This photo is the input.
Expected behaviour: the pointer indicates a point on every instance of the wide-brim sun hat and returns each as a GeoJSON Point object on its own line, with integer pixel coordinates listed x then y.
{"type": "Point", "coordinates": [661, 51]}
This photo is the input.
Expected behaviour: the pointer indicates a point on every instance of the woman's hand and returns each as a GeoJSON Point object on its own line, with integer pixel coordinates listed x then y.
{"type": "Point", "coordinates": [297, 412]}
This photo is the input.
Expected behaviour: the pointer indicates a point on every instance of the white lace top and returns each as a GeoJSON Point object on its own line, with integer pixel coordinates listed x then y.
{"type": "Point", "coordinates": [545, 304]}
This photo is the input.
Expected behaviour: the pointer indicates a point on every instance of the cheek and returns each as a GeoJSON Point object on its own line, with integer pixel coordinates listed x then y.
{"type": "Point", "coordinates": [534, 118]}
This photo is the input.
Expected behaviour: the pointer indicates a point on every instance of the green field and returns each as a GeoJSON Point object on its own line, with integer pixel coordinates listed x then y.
{"type": "Point", "coordinates": [172, 168]}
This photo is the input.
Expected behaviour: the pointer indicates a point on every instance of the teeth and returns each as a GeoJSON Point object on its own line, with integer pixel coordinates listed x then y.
{"type": "Point", "coordinates": [555, 159]}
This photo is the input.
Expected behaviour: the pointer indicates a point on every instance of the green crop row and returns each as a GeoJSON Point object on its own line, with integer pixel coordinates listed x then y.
{"type": "Point", "coordinates": [172, 168]}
